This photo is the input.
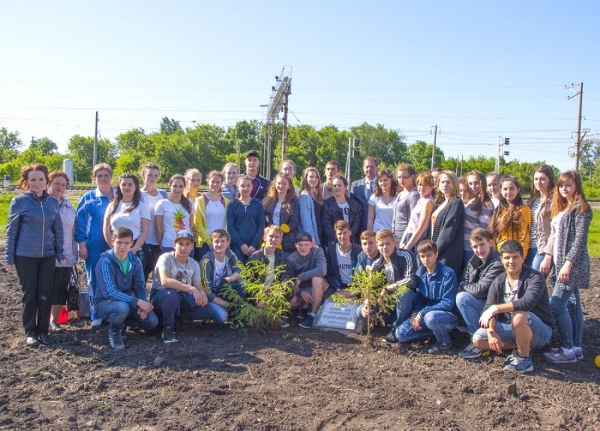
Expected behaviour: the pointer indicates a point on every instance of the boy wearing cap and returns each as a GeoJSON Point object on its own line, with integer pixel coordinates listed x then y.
{"type": "Point", "coordinates": [177, 287]}
{"type": "Point", "coordinates": [308, 266]}
{"type": "Point", "coordinates": [120, 296]}
{"type": "Point", "coordinates": [260, 185]}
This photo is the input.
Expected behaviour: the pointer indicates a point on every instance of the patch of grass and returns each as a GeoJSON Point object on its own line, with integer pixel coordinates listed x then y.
{"type": "Point", "coordinates": [4, 204]}
{"type": "Point", "coordinates": [594, 234]}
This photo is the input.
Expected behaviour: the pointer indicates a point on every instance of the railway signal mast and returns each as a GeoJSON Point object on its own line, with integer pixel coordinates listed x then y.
{"type": "Point", "coordinates": [277, 104]}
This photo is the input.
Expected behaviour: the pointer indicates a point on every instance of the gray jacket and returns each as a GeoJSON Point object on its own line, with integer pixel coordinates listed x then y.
{"type": "Point", "coordinates": [305, 268]}
{"type": "Point", "coordinates": [34, 227]}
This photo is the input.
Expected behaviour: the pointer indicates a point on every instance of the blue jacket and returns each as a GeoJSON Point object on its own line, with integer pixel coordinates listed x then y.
{"type": "Point", "coordinates": [113, 285]}
{"type": "Point", "coordinates": [34, 227]}
{"type": "Point", "coordinates": [310, 216]}
{"type": "Point", "coordinates": [436, 291]}
{"type": "Point", "coordinates": [363, 261]}
{"type": "Point", "coordinates": [90, 217]}
{"type": "Point", "coordinates": [246, 224]}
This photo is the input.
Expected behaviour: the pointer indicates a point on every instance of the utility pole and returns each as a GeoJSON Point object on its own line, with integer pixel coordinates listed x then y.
{"type": "Point", "coordinates": [435, 132]}
{"type": "Point", "coordinates": [502, 141]}
{"type": "Point", "coordinates": [578, 142]}
{"type": "Point", "coordinates": [95, 156]}
{"type": "Point", "coordinates": [32, 149]}
{"type": "Point", "coordinates": [284, 132]}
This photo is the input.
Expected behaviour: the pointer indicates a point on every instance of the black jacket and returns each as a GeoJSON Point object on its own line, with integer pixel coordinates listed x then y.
{"type": "Point", "coordinates": [333, 271]}
{"type": "Point", "coordinates": [448, 234]}
{"type": "Point", "coordinates": [479, 275]}
{"type": "Point", "coordinates": [331, 213]}
{"type": "Point", "coordinates": [405, 268]}
{"type": "Point", "coordinates": [532, 294]}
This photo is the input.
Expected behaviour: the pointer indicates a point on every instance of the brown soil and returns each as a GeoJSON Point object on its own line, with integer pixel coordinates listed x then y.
{"type": "Point", "coordinates": [294, 379]}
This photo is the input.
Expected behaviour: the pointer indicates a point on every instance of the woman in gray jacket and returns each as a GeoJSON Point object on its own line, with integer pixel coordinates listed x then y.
{"type": "Point", "coordinates": [34, 239]}
{"type": "Point", "coordinates": [567, 247]}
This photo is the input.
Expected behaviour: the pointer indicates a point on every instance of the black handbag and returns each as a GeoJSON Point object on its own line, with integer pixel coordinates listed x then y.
{"type": "Point", "coordinates": [73, 291]}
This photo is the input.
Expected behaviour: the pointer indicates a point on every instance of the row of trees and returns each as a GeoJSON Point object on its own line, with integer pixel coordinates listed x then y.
{"type": "Point", "coordinates": [208, 147]}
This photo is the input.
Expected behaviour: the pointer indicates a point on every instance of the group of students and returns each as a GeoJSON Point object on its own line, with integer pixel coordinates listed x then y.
{"type": "Point", "coordinates": [461, 229]}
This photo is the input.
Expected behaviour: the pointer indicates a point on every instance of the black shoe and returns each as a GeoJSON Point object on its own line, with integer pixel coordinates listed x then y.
{"type": "Point", "coordinates": [440, 348]}
{"type": "Point", "coordinates": [168, 335]}
{"type": "Point", "coordinates": [31, 341]}
{"type": "Point", "coordinates": [44, 338]}
{"type": "Point", "coordinates": [116, 340]}
{"type": "Point", "coordinates": [390, 338]}
{"type": "Point", "coordinates": [303, 313]}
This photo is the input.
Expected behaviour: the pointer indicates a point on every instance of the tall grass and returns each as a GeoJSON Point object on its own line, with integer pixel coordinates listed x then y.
{"type": "Point", "coordinates": [4, 203]}
{"type": "Point", "coordinates": [594, 234]}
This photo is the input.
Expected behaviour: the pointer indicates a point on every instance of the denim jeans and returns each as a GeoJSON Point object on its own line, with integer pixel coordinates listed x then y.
{"type": "Point", "coordinates": [36, 276]}
{"type": "Point", "coordinates": [541, 332]}
{"type": "Point", "coordinates": [534, 258]}
{"type": "Point", "coordinates": [439, 323]}
{"type": "Point", "coordinates": [470, 308]}
{"type": "Point", "coordinates": [90, 270]}
{"type": "Point", "coordinates": [404, 307]}
{"type": "Point", "coordinates": [219, 313]}
{"type": "Point", "coordinates": [119, 312]}
{"type": "Point", "coordinates": [569, 316]}
{"type": "Point", "coordinates": [169, 303]}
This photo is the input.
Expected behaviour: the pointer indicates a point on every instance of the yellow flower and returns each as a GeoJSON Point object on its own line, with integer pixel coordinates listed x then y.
{"type": "Point", "coordinates": [285, 228]}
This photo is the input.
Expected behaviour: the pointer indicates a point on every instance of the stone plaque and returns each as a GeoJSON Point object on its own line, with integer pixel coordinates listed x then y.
{"type": "Point", "coordinates": [338, 316]}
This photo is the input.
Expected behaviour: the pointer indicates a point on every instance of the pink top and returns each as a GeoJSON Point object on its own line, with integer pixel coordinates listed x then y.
{"type": "Point", "coordinates": [415, 214]}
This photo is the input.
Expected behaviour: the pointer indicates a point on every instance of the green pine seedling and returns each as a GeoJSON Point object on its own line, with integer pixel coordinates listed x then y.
{"type": "Point", "coordinates": [265, 305]}
{"type": "Point", "coordinates": [367, 287]}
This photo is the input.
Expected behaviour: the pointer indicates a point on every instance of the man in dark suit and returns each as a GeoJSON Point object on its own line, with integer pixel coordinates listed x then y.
{"type": "Point", "coordinates": [260, 185]}
{"type": "Point", "coordinates": [363, 189]}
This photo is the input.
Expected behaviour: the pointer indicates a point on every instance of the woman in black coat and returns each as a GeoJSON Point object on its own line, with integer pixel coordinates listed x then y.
{"type": "Point", "coordinates": [340, 207]}
{"type": "Point", "coordinates": [448, 223]}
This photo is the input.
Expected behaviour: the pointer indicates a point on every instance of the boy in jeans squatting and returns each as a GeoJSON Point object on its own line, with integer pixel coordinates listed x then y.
{"type": "Point", "coordinates": [120, 295]}
{"type": "Point", "coordinates": [431, 308]}
{"type": "Point", "coordinates": [219, 267]}
{"type": "Point", "coordinates": [399, 267]}
{"type": "Point", "coordinates": [517, 311]}
{"type": "Point", "coordinates": [483, 268]}
{"type": "Point", "coordinates": [177, 288]}
{"type": "Point", "coordinates": [308, 266]}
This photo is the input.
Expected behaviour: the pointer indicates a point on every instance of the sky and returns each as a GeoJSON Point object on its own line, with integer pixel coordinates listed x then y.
{"type": "Point", "coordinates": [478, 70]}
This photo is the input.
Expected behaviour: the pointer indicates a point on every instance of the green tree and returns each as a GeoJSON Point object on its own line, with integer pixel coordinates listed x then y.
{"type": "Point", "coordinates": [169, 126]}
{"type": "Point", "coordinates": [9, 144]}
{"type": "Point", "coordinates": [45, 146]}
{"type": "Point", "coordinates": [386, 145]}
{"type": "Point", "coordinates": [419, 155]}
{"type": "Point", "coordinates": [81, 150]}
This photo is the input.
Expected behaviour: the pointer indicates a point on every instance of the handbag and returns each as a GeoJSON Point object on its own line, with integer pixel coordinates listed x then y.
{"type": "Point", "coordinates": [73, 291]}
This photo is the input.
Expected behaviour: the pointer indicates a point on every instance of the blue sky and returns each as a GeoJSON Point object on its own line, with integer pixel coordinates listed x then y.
{"type": "Point", "coordinates": [476, 69]}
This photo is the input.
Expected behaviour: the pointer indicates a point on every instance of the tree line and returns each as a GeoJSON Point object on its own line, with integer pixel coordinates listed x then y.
{"type": "Point", "coordinates": [208, 147]}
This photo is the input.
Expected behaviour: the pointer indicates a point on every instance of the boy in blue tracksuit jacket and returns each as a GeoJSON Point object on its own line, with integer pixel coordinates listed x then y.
{"type": "Point", "coordinates": [431, 312]}
{"type": "Point", "coordinates": [120, 295]}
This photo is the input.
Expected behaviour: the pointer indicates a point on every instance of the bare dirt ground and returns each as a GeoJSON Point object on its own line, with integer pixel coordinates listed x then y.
{"type": "Point", "coordinates": [294, 379]}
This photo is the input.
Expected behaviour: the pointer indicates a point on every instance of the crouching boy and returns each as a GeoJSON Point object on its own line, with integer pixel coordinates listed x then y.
{"type": "Point", "coordinates": [176, 287]}
{"type": "Point", "coordinates": [431, 311]}
{"type": "Point", "coordinates": [517, 312]}
{"type": "Point", "coordinates": [120, 295]}
{"type": "Point", "coordinates": [308, 266]}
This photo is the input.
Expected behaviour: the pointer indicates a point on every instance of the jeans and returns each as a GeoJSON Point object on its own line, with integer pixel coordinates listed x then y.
{"type": "Point", "coordinates": [404, 307]}
{"type": "Point", "coordinates": [36, 276]}
{"type": "Point", "coordinates": [569, 316]}
{"type": "Point", "coordinates": [169, 303]}
{"type": "Point", "coordinates": [436, 322]}
{"type": "Point", "coordinates": [219, 313]}
{"type": "Point", "coordinates": [90, 270]}
{"type": "Point", "coordinates": [119, 312]}
{"type": "Point", "coordinates": [534, 258]}
{"type": "Point", "coordinates": [470, 309]}
{"type": "Point", "coordinates": [541, 332]}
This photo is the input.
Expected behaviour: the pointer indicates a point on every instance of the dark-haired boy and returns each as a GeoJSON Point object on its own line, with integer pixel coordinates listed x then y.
{"type": "Point", "coordinates": [483, 268]}
{"type": "Point", "coordinates": [517, 311]}
{"type": "Point", "coordinates": [431, 311]}
{"type": "Point", "coordinates": [120, 295]}
{"type": "Point", "coordinates": [177, 287]}
{"type": "Point", "coordinates": [341, 258]}
{"type": "Point", "coordinates": [308, 266]}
